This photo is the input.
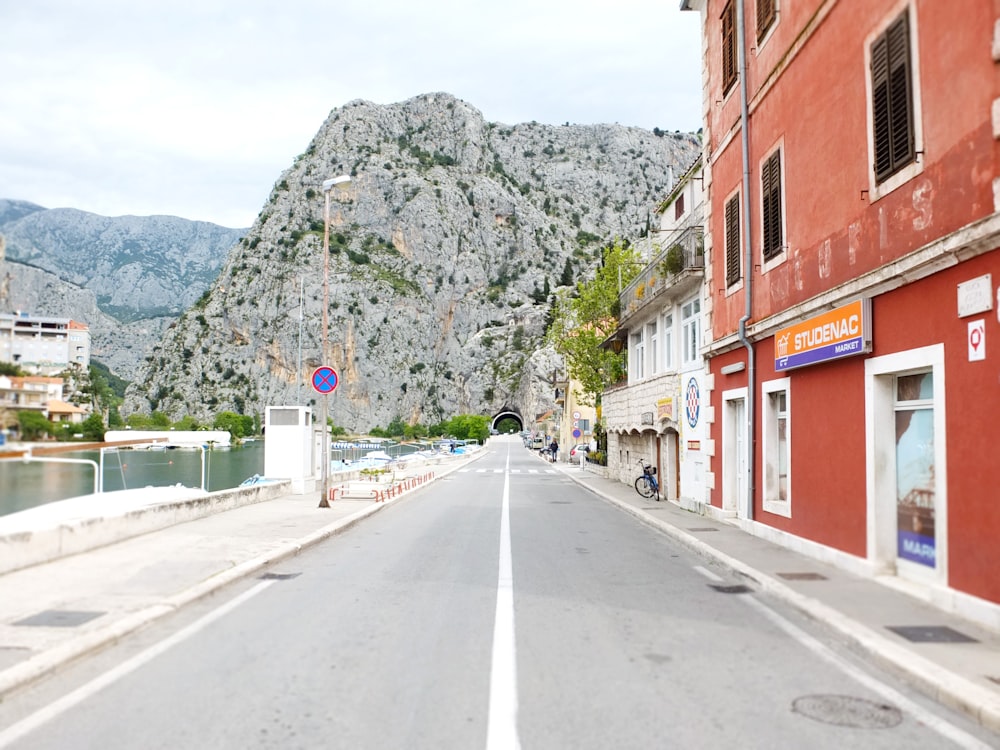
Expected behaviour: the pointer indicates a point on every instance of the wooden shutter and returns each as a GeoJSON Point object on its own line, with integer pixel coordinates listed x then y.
{"type": "Point", "coordinates": [732, 220]}
{"type": "Point", "coordinates": [766, 13]}
{"type": "Point", "coordinates": [892, 107]}
{"type": "Point", "coordinates": [771, 196]}
{"type": "Point", "coordinates": [728, 46]}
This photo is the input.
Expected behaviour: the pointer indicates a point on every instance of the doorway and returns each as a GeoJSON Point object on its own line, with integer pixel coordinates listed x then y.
{"type": "Point", "coordinates": [735, 452]}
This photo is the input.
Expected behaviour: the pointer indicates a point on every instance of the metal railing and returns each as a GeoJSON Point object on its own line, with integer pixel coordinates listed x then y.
{"type": "Point", "coordinates": [680, 250]}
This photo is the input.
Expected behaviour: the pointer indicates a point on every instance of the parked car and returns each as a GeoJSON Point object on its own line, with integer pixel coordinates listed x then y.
{"type": "Point", "coordinates": [576, 450]}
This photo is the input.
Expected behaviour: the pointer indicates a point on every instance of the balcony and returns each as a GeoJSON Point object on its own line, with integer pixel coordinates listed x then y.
{"type": "Point", "coordinates": [677, 268]}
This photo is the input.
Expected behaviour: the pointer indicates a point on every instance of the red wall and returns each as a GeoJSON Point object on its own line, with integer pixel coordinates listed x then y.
{"type": "Point", "coordinates": [925, 313]}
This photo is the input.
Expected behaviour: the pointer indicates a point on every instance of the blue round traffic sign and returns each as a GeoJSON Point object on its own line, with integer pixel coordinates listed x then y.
{"type": "Point", "coordinates": [325, 379]}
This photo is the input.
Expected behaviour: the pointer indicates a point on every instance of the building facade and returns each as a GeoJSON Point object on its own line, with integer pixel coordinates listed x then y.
{"type": "Point", "coordinates": [656, 416]}
{"type": "Point", "coordinates": [852, 232]}
{"type": "Point", "coordinates": [44, 346]}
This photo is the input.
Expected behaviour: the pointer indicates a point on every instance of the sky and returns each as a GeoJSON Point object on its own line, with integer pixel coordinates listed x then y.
{"type": "Point", "coordinates": [194, 108]}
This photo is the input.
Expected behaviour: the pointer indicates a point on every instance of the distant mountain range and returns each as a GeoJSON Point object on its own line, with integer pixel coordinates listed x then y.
{"type": "Point", "coordinates": [127, 277]}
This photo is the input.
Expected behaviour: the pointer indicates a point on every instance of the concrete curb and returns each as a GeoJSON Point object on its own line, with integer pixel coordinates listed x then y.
{"type": "Point", "coordinates": [942, 685]}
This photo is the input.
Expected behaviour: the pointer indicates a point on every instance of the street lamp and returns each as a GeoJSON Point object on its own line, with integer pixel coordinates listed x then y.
{"type": "Point", "coordinates": [341, 183]}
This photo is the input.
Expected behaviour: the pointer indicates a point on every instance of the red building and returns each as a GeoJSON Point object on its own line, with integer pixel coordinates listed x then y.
{"type": "Point", "coordinates": [852, 301]}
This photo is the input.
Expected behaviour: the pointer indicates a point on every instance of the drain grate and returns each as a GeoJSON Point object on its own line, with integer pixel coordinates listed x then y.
{"type": "Point", "coordinates": [930, 634]}
{"type": "Point", "coordinates": [279, 576]}
{"type": "Point", "coordinates": [846, 711]}
{"type": "Point", "coordinates": [703, 528]}
{"type": "Point", "coordinates": [802, 576]}
{"type": "Point", "coordinates": [738, 588]}
{"type": "Point", "coordinates": [58, 618]}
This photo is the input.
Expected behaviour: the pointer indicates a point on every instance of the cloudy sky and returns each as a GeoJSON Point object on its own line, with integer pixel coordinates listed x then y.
{"type": "Point", "coordinates": [192, 108]}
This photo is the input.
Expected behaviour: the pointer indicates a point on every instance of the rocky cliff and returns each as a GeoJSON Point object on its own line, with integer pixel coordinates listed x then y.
{"type": "Point", "coordinates": [444, 251]}
{"type": "Point", "coordinates": [126, 277]}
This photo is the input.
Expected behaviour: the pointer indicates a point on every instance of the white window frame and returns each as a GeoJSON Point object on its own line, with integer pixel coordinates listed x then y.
{"type": "Point", "coordinates": [770, 446]}
{"type": "Point", "coordinates": [916, 167]}
{"type": "Point", "coordinates": [691, 349]}
{"type": "Point", "coordinates": [637, 354]}
{"type": "Point", "coordinates": [652, 339]}
{"type": "Point", "coordinates": [668, 342]}
{"type": "Point", "coordinates": [880, 440]}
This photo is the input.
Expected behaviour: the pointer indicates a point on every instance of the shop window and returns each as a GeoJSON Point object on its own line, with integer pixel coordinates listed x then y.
{"type": "Point", "coordinates": [777, 433]}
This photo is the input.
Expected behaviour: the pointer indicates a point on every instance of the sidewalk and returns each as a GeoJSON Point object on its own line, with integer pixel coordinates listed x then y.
{"type": "Point", "coordinates": [956, 661]}
{"type": "Point", "coordinates": [58, 611]}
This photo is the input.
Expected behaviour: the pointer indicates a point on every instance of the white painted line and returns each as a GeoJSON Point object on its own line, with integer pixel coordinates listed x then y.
{"type": "Point", "coordinates": [32, 722]}
{"type": "Point", "coordinates": [532, 471]}
{"type": "Point", "coordinates": [501, 732]}
{"type": "Point", "coordinates": [919, 713]}
{"type": "Point", "coordinates": [498, 471]}
{"type": "Point", "coordinates": [708, 574]}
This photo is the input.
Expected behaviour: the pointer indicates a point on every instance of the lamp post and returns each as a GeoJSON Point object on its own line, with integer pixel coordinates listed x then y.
{"type": "Point", "coordinates": [341, 183]}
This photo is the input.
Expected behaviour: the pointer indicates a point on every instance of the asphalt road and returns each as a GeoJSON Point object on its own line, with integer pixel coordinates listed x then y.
{"type": "Point", "coordinates": [501, 607]}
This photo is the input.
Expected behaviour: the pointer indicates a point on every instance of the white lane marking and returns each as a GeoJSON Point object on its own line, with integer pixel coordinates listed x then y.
{"type": "Point", "coordinates": [32, 722]}
{"type": "Point", "coordinates": [919, 713]}
{"type": "Point", "coordinates": [708, 573]}
{"type": "Point", "coordinates": [501, 732]}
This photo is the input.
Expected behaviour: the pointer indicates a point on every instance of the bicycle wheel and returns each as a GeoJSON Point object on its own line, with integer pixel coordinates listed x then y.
{"type": "Point", "coordinates": [644, 487]}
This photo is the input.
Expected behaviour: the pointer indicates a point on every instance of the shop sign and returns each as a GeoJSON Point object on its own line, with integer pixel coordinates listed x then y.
{"type": "Point", "coordinates": [665, 408]}
{"type": "Point", "coordinates": [842, 332]}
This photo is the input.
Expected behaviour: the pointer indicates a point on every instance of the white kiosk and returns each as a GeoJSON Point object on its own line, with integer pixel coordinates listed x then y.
{"type": "Point", "coordinates": [288, 447]}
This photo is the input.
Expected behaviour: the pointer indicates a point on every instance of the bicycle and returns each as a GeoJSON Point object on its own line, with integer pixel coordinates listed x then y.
{"type": "Point", "coordinates": [646, 484]}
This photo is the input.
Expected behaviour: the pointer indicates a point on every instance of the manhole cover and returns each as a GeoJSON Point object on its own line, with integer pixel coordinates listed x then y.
{"type": "Point", "coordinates": [930, 634]}
{"type": "Point", "coordinates": [802, 576]}
{"type": "Point", "coordinates": [58, 618]}
{"type": "Point", "coordinates": [845, 711]}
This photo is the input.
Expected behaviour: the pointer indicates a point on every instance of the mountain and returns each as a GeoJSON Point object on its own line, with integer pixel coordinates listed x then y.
{"type": "Point", "coordinates": [126, 277]}
{"type": "Point", "coordinates": [442, 253]}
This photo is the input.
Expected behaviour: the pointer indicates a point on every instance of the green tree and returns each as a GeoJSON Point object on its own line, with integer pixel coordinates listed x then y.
{"type": "Point", "coordinates": [187, 422]}
{"type": "Point", "coordinates": [34, 425]}
{"type": "Point", "coordinates": [581, 320]}
{"type": "Point", "coordinates": [238, 425]}
{"type": "Point", "coordinates": [93, 427]}
{"type": "Point", "coordinates": [10, 369]}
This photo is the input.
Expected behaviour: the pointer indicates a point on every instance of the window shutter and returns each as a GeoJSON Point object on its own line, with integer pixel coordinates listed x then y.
{"type": "Point", "coordinates": [728, 46]}
{"type": "Point", "coordinates": [771, 196]}
{"type": "Point", "coordinates": [732, 220]}
{"type": "Point", "coordinates": [892, 108]}
{"type": "Point", "coordinates": [766, 14]}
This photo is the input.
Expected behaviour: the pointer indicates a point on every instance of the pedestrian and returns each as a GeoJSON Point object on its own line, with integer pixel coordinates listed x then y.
{"type": "Point", "coordinates": [554, 450]}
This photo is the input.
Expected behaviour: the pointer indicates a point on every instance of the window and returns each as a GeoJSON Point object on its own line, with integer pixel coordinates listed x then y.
{"type": "Point", "coordinates": [892, 100]}
{"type": "Point", "coordinates": [691, 328]}
{"type": "Point", "coordinates": [668, 342]}
{"type": "Point", "coordinates": [651, 337]}
{"type": "Point", "coordinates": [777, 441]}
{"type": "Point", "coordinates": [770, 190]}
{"type": "Point", "coordinates": [766, 15]}
{"type": "Point", "coordinates": [728, 47]}
{"type": "Point", "coordinates": [637, 356]}
{"type": "Point", "coordinates": [679, 207]}
{"type": "Point", "coordinates": [732, 219]}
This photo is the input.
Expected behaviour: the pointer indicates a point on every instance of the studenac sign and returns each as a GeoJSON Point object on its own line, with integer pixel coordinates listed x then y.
{"type": "Point", "coordinates": [842, 332]}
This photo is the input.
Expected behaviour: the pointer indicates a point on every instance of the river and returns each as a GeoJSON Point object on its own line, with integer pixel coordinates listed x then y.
{"type": "Point", "coordinates": [27, 484]}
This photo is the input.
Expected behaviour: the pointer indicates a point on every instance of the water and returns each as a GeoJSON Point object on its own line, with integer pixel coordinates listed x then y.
{"type": "Point", "coordinates": [25, 485]}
